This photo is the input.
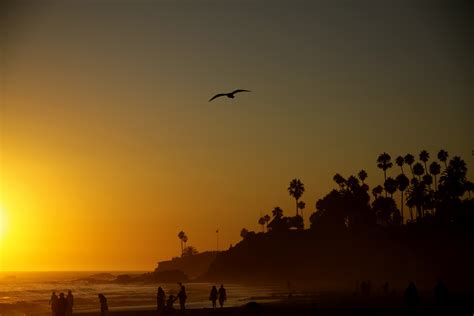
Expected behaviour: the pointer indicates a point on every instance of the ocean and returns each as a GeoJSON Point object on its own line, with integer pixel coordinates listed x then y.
{"type": "Point", "coordinates": [28, 293]}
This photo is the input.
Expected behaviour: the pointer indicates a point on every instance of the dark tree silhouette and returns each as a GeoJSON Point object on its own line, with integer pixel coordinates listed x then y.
{"type": "Point", "coordinates": [425, 156]}
{"type": "Point", "coordinates": [377, 191]}
{"type": "Point", "coordinates": [301, 206]}
{"type": "Point", "coordinates": [417, 193]}
{"type": "Point", "coordinates": [418, 170]}
{"type": "Point", "coordinates": [384, 163]}
{"type": "Point", "coordinates": [243, 233]}
{"type": "Point", "coordinates": [435, 170]}
{"type": "Point", "coordinates": [362, 175]}
{"type": "Point", "coordinates": [267, 218]}
{"type": "Point", "coordinates": [340, 181]}
{"type": "Point", "coordinates": [390, 186]}
{"type": "Point", "coordinates": [181, 236]}
{"type": "Point", "coordinates": [403, 183]}
{"type": "Point", "coordinates": [190, 251]}
{"type": "Point", "coordinates": [409, 160]}
{"type": "Point", "coordinates": [469, 188]}
{"type": "Point", "coordinates": [261, 221]}
{"type": "Point", "coordinates": [386, 211]}
{"type": "Point", "coordinates": [443, 157]}
{"type": "Point", "coordinates": [296, 190]}
{"type": "Point", "coordinates": [400, 161]}
{"type": "Point", "coordinates": [277, 212]}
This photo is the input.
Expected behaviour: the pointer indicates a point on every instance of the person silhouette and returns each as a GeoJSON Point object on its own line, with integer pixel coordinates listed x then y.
{"type": "Point", "coordinates": [61, 305]}
{"type": "Point", "coordinates": [54, 303]}
{"type": "Point", "coordinates": [160, 300]}
{"type": "Point", "coordinates": [222, 295]}
{"type": "Point", "coordinates": [182, 298]}
{"type": "Point", "coordinates": [104, 307]}
{"type": "Point", "coordinates": [213, 296]}
{"type": "Point", "coordinates": [169, 304]}
{"type": "Point", "coordinates": [70, 303]}
{"type": "Point", "coordinates": [411, 297]}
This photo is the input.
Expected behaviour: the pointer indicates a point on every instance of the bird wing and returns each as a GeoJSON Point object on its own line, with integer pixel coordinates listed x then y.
{"type": "Point", "coordinates": [216, 96]}
{"type": "Point", "coordinates": [240, 90]}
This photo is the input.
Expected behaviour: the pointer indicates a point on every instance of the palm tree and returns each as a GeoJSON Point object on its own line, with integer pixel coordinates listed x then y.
{"type": "Point", "coordinates": [301, 206]}
{"type": "Point", "coordinates": [377, 191]}
{"type": "Point", "coordinates": [403, 183]}
{"type": "Point", "coordinates": [443, 157]}
{"type": "Point", "coordinates": [469, 186]}
{"type": "Point", "coordinates": [296, 190]}
{"type": "Point", "coordinates": [362, 175]}
{"type": "Point", "coordinates": [340, 181]}
{"type": "Point", "coordinates": [435, 169]}
{"type": "Point", "coordinates": [277, 212]}
{"type": "Point", "coordinates": [267, 218]}
{"type": "Point", "coordinates": [261, 221]}
{"type": "Point", "coordinates": [424, 156]}
{"type": "Point", "coordinates": [181, 236]}
{"type": "Point", "coordinates": [409, 160]}
{"type": "Point", "coordinates": [383, 162]}
{"type": "Point", "coordinates": [400, 161]}
{"type": "Point", "coordinates": [390, 186]}
{"type": "Point", "coordinates": [185, 240]}
{"type": "Point", "coordinates": [418, 170]}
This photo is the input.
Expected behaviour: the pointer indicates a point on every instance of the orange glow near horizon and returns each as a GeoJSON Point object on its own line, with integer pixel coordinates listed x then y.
{"type": "Point", "coordinates": [109, 146]}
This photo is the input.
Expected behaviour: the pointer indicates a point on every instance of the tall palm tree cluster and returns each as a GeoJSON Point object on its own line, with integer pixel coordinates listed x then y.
{"type": "Point", "coordinates": [433, 192]}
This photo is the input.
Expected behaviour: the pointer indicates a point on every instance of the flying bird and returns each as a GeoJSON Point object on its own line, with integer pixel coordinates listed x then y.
{"type": "Point", "coordinates": [230, 95]}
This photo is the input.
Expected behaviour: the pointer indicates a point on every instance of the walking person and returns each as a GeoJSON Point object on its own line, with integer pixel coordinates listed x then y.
{"type": "Point", "coordinates": [222, 295]}
{"type": "Point", "coordinates": [104, 307]}
{"type": "Point", "coordinates": [54, 303]}
{"type": "Point", "coordinates": [160, 301]}
{"type": "Point", "coordinates": [70, 303]}
{"type": "Point", "coordinates": [213, 296]}
{"type": "Point", "coordinates": [182, 297]}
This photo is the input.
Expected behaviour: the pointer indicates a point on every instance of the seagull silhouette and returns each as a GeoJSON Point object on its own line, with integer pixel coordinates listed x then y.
{"type": "Point", "coordinates": [230, 95]}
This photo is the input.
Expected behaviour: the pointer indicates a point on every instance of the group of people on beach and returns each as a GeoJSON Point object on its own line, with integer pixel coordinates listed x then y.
{"type": "Point", "coordinates": [62, 305]}
{"type": "Point", "coordinates": [166, 306]}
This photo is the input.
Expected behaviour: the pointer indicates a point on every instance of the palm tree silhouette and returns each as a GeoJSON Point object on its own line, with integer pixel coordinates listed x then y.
{"type": "Point", "coordinates": [277, 212]}
{"type": "Point", "coordinates": [383, 162]}
{"type": "Point", "coordinates": [469, 186]}
{"type": "Point", "coordinates": [267, 219]}
{"type": "Point", "coordinates": [400, 161]}
{"type": "Point", "coordinates": [181, 236]}
{"type": "Point", "coordinates": [418, 170]}
{"type": "Point", "coordinates": [424, 156]}
{"type": "Point", "coordinates": [409, 160]}
{"type": "Point", "coordinates": [403, 183]}
{"type": "Point", "coordinates": [362, 175]}
{"type": "Point", "coordinates": [443, 157]}
{"type": "Point", "coordinates": [390, 186]}
{"type": "Point", "coordinates": [339, 180]}
{"type": "Point", "coordinates": [377, 191]}
{"type": "Point", "coordinates": [261, 221]}
{"type": "Point", "coordinates": [435, 169]}
{"type": "Point", "coordinates": [296, 190]}
{"type": "Point", "coordinates": [301, 206]}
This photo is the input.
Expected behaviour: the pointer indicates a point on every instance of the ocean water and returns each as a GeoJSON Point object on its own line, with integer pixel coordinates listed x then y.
{"type": "Point", "coordinates": [28, 293]}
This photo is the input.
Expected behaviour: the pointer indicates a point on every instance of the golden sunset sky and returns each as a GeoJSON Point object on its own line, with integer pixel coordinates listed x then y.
{"type": "Point", "coordinates": [109, 146]}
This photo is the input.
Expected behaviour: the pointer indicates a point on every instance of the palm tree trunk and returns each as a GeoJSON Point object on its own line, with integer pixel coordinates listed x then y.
{"type": "Point", "coordinates": [412, 174]}
{"type": "Point", "coordinates": [182, 250]}
{"type": "Point", "coordinates": [401, 206]}
{"type": "Point", "coordinates": [296, 207]}
{"type": "Point", "coordinates": [385, 179]}
{"type": "Point", "coordinates": [436, 184]}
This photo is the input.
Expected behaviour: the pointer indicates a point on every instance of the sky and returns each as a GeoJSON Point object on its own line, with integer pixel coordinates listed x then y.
{"type": "Point", "coordinates": [109, 146]}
